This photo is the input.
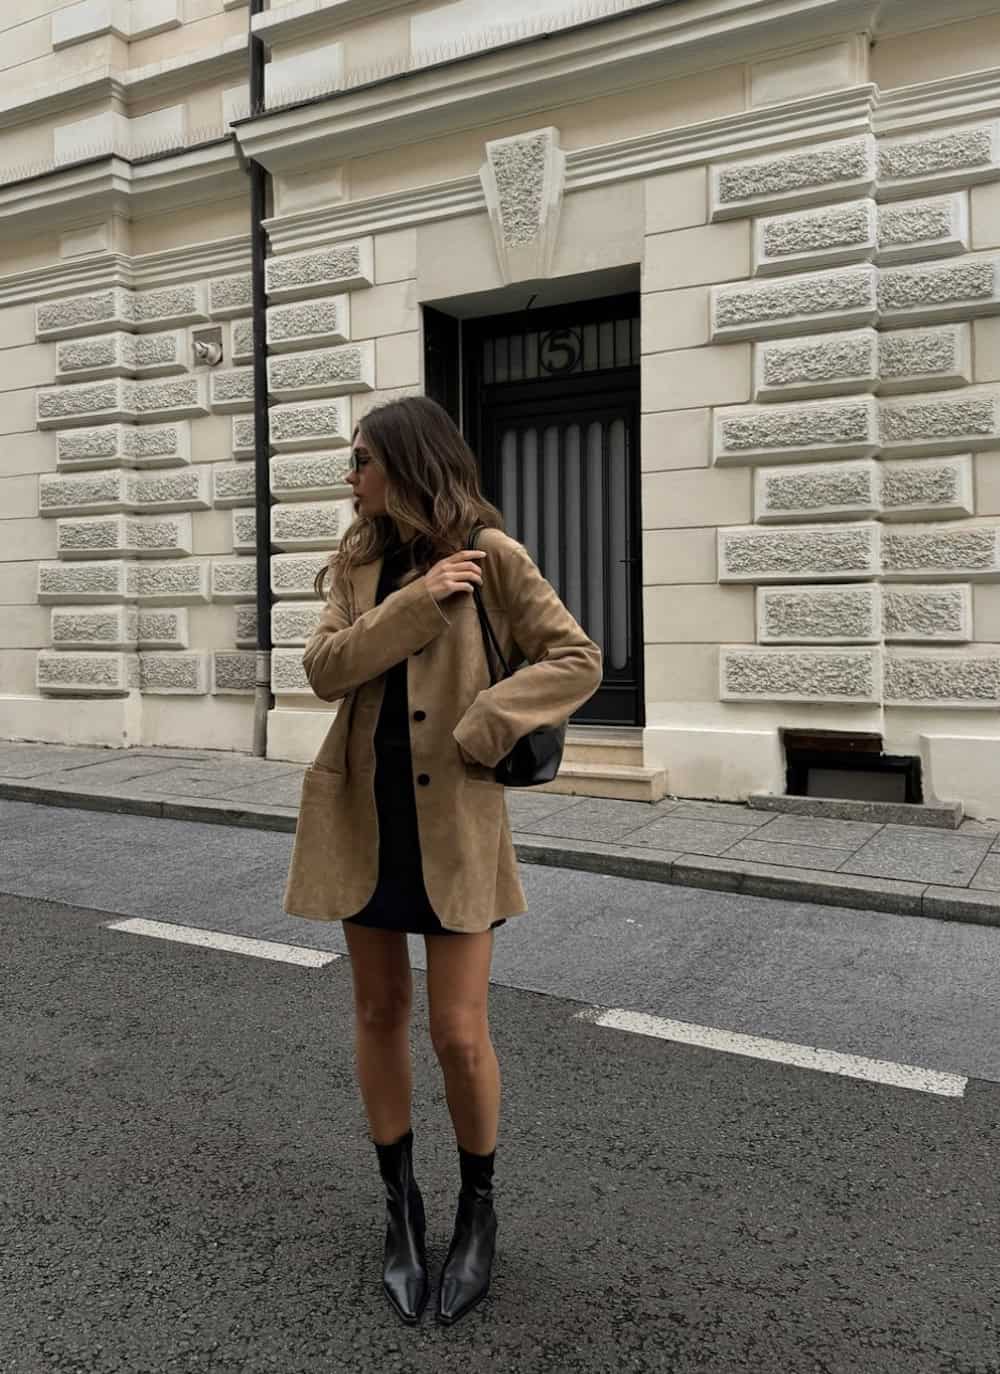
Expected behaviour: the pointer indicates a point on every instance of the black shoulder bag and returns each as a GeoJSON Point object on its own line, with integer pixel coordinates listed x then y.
{"type": "Point", "coordinates": [536, 757]}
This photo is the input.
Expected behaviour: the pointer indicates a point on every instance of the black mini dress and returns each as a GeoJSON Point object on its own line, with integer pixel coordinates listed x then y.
{"type": "Point", "coordinates": [400, 900]}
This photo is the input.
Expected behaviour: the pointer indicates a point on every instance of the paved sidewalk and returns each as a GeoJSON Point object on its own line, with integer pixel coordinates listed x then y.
{"type": "Point", "coordinates": [910, 870]}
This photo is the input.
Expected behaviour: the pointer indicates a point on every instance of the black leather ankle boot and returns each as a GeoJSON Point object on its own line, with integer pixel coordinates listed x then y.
{"type": "Point", "coordinates": [465, 1277]}
{"type": "Point", "coordinates": [404, 1275]}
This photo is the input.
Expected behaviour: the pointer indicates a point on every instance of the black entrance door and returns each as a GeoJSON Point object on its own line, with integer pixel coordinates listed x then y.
{"type": "Point", "coordinates": [552, 410]}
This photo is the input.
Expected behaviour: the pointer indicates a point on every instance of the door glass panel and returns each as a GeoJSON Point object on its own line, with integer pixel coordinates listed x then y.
{"type": "Point", "coordinates": [529, 491]}
{"type": "Point", "coordinates": [551, 508]}
{"type": "Point", "coordinates": [594, 483]}
{"type": "Point", "coordinates": [572, 594]}
{"type": "Point", "coordinates": [620, 629]}
{"type": "Point", "coordinates": [508, 481]}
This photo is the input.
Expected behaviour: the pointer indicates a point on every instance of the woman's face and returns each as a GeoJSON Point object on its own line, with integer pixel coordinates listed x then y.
{"type": "Point", "coordinates": [367, 480]}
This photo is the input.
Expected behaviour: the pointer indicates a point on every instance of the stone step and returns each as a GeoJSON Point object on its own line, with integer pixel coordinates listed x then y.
{"type": "Point", "coordinates": [937, 816]}
{"type": "Point", "coordinates": [608, 780]}
{"type": "Point", "coordinates": [620, 748]}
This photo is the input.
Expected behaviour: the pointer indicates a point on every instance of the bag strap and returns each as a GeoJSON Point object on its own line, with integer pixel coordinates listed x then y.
{"type": "Point", "coordinates": [489, 635]}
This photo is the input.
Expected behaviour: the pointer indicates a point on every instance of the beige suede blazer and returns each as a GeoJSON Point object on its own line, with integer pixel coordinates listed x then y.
{"type": "Point", "coordinates": [460, 727]}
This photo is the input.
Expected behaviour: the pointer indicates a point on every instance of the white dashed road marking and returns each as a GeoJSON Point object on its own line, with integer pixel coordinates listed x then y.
{"type": "Point", "coordinates": [781, 1052]}
{"type": "Point", "coordinates": [235, 944]}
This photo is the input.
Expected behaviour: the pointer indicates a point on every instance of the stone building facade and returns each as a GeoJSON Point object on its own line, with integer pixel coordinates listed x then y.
{"type": "Point", "coordinates": [712, 286]}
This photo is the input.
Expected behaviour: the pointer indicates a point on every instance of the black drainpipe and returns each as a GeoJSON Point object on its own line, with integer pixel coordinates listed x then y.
{"type": "Point", "coordinates": [259, 193]}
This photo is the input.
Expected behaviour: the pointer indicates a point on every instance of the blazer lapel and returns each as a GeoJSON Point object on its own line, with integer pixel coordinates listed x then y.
{"type": "Point", "coordinates": [365, 582]}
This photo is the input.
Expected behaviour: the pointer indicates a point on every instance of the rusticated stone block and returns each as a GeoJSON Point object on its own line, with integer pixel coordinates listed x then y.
{"type": "Point", "coordinates": [241, 341]}
{"type": "Point", "coordinates": [166, 307]}
{"type": "Point", "coordinates": [233, 484]}
{"type": "Point", "coordinates": [159, 536]}
{"type": "Point", "coordinates": [85, 403]}
{"type": "Point", "coordinates": [916, 229]}
{"type": "Point", "coordinates": [302, 525]}
{"type": "Point", "coordinates": [915, 613]}
{"type": "Point", "coordinates": [183, 489]}
{"type": "Point", "coordinates": [109, 627]}
{"type": "Point", "coordinates": [940, 160]}
{"type": "Point", "coordinates": [322, 272]}
{"type": "Point", "coordinates": [942, 422]}
{"type": "Point", "coordinates": [234, 673]}
{"type": "Point", "coordinates": [160, 355]}
{"type": "Point", "coordinates": [837, 299]}
{"type": "Point", "coordinates": [833, 675]}
{"type": "Point", "coordinates": [310, 425]}
{"type": "Point", "coordinates": [232, 390]}
{"type": "Point", "coordinates": [89, 493]}
{"type": "Point", "coordinates": [132, 446]}
{"type": "Point", "coordinates": [808, 176]}
{"type": "Point", "coordinates": [807, 553]}
{"type": "Point", "coordinates": [309, 324]}
{"type": "Point", "coordinates": [234, 579]}
{"type": "Point", "coordinates": [103, 536]}
{"type": "Point", "coordinates": [935, 291]}
{"type": "Point", "coordinates": [820, 365]}
{"type": "Point", "coordinates": [173, 583]}
{"type": "Point", "coordinates": [164, 628]}
{"type": "Point", "coordinates": [293, 574]}
{"type": "Point", "coordinates": [243, 436]}
{"type": "Point", "coordinates": [108, 355]}
{"type": "Point", "coordinates": [75, 316]}
{"type": "Point", "coordinates": [288, 677]}
{"type": "Point", "coordinates": [246, 626]}
{"type": "Point", "coordinates": [90, 583]}
{"type": "Point", "coordinates": [310, 476]}
{"type": "Point", "coordinates": [846, 427]}
{"type": "Point", "coordinates": [848, 614]}
{"type": "Point", "coordinates": [244, 526]}
{"type": "Point", "coordinates": [174, 674]}
{"type": "Point", "coordinates": [826, 237]}
{"type": "Point", "coordinates": [928, 678]}
{"type": "Point", "coordinates": [294, 621]}
{"type": "Point", "coordinates": [929, 487]}
{"type": "Point", "coordinates": [86, 674]}
{"type": "Point", "coordinates": [920, 359]}
{"type": "Point", "coordinates": [170, 400]}
{"type": "Point", "coordinates": [828, 491]}
{"type": "Point", "coordinates": [230, 296]}
{"type": "Point", "coordinates": [325, 372]}
{"type": "Point", "coordinates": [942, 551]}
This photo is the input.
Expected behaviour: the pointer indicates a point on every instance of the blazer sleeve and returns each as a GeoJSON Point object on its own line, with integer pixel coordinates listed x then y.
{"type": "Point", "coordinates": [344, 652]}
{"type": "Point", "coordinates": [563, 668]}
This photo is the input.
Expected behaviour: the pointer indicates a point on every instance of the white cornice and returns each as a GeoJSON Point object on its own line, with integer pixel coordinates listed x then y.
{"type": "Point", "coordinates": [971, 95]}
{"type": "Point", "coordinates": [302, 18]}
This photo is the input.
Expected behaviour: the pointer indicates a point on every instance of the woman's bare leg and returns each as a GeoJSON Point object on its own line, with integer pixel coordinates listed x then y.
{"type": "Point", "coordinates": [383, 997]}
{"type": "Point", "coordinates": [458, 979]}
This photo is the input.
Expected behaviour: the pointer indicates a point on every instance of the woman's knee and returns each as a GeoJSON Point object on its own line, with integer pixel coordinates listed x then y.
{"type": "Point", "coordinates": [461, 1044]}
{"type": "Point", "coordinates": [384, 1012]}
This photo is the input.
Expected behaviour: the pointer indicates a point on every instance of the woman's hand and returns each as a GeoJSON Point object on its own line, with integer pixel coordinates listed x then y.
{"type": "Point", "coordinates": [458, 573]}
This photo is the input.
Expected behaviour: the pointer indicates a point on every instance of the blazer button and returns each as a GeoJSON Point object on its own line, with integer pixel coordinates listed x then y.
{"type": "Point", "coordinates": [423, 779]}
{"type": "Point", "coordinates": [420, 715]}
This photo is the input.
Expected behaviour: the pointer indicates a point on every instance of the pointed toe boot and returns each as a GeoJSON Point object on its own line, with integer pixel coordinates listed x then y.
{"type": "Point", "coordinates": [465, 1277]}
{"type": "Point", "coordinates": [404, 1272]}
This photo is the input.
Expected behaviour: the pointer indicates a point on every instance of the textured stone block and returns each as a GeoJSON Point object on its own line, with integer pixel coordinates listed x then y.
{"type": "Point", "coordinates": [173, 582]}
{"type": "Point", "coordinates": [85, 403]}
{"type": "Point", "coordinates": [942, 678]}
{"type": "Point", "coordinates": [832, 675]}
{"type": "Point", "coordinates": [820, 365]}
{"type": "Point", "coordinates": [90, 583]}
{"type": "Point", "coordinates": [86, 674]}
{"type": "Point", "coordinates": [827, 491]}
{"type": "Point", "coordinates": [292, 622]}
{"type": "Point", "coordinates": [807, 553]}
{"type": "Point", "coordinates": [186, 489]}
{"type": "Point", "coordinates": [293, 574]}
{"type": "Point", "coordinates": [230, 296]}
{"type": "Point", "coordinates": [806, 176]}
{"type": "Point", "coordinates": [849, 614]}
{"type": "Point", "coordinates": [234, 673]}
{"type": "Point", "coordinates": [120, 355]}
{"type": "Point", "coordinates": [246, 626]}
{"type": "Point", "coordinates": [325, 372]}
{"type": "Point", "coordinates": [920, 359]}
{"type": "Point", "coordinates": [174, 674]}
{"type": "Point", "coordinates": [175, 399]}
{"type": "Point", "coordinates": [915, 613]}
{"type": "Point", "coordinates": [244, 531]}
{"type": "Point", "coordinates": [166, 307]}
{"type": "Point", "coordinates": [837, 299]}
{"type": "Point", "coordinates": [104, 536]}
{"type": "Point", "coordinates": [234, 579]}
{"type": "Point", "coordinates": [243, 436]}
{"type": "Point", "coordinates": [839, 428]}
{"type": "Point", "coordinates": [827, 237]}
{"type": "Point", "coordinates": [109, 627]}
{"type": "Point", "coordinates": [304, 526]}
{"type": "Point", "coordinates": [124, 446]}
{"type": "Point", "coordinates": [241, 341]}
{"type": "Point", "coordinates": [288, 677]}
{"type": "Point", "coordinates": [233, 484]}
{"type": "Point", "coordinates": [75, 316]}
{"type": "Point", "coordinates": [310, 476]}
{"type": "Point", "coordinates": [323, 272]}
{"type": "Point", "coordinates": [939, 160]}
{"type": "Point", "coordinates": [929, 487]}
{"type": "Point", "coordinates": [936, 291]}
{"type": "Point", "coordinates": [232, 390]}
{"type": "Point", "coordinates": [941, 423]}
{"type": "Point", "coordinates": [310, 425]}
{"type": "Point", "coordinates": [89, 493]}
{"type": "Point", "coordinates": [309, 324]}
{"type": "Point", "coordinates": [916, 229]}
{"type": "Point", "coordinates": [164, 628]}
{"type": "Point", "coordinates": [943, 551]}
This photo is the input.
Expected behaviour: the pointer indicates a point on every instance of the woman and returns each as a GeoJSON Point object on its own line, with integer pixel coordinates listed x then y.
{"type": "Point", "coordinates": [402, 826]}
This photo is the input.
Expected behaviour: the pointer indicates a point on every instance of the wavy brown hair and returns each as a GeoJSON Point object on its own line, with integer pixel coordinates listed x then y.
{"type": "Point", "coordinates": [432, 484]}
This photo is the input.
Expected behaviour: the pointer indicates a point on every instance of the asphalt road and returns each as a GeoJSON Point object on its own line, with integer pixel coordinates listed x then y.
{"type": "Point", "coordinates": [188, 1183]}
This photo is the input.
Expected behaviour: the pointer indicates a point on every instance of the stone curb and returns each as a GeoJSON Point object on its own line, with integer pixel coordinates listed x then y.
{"type": "Point", "coordinates": [686, 870]}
